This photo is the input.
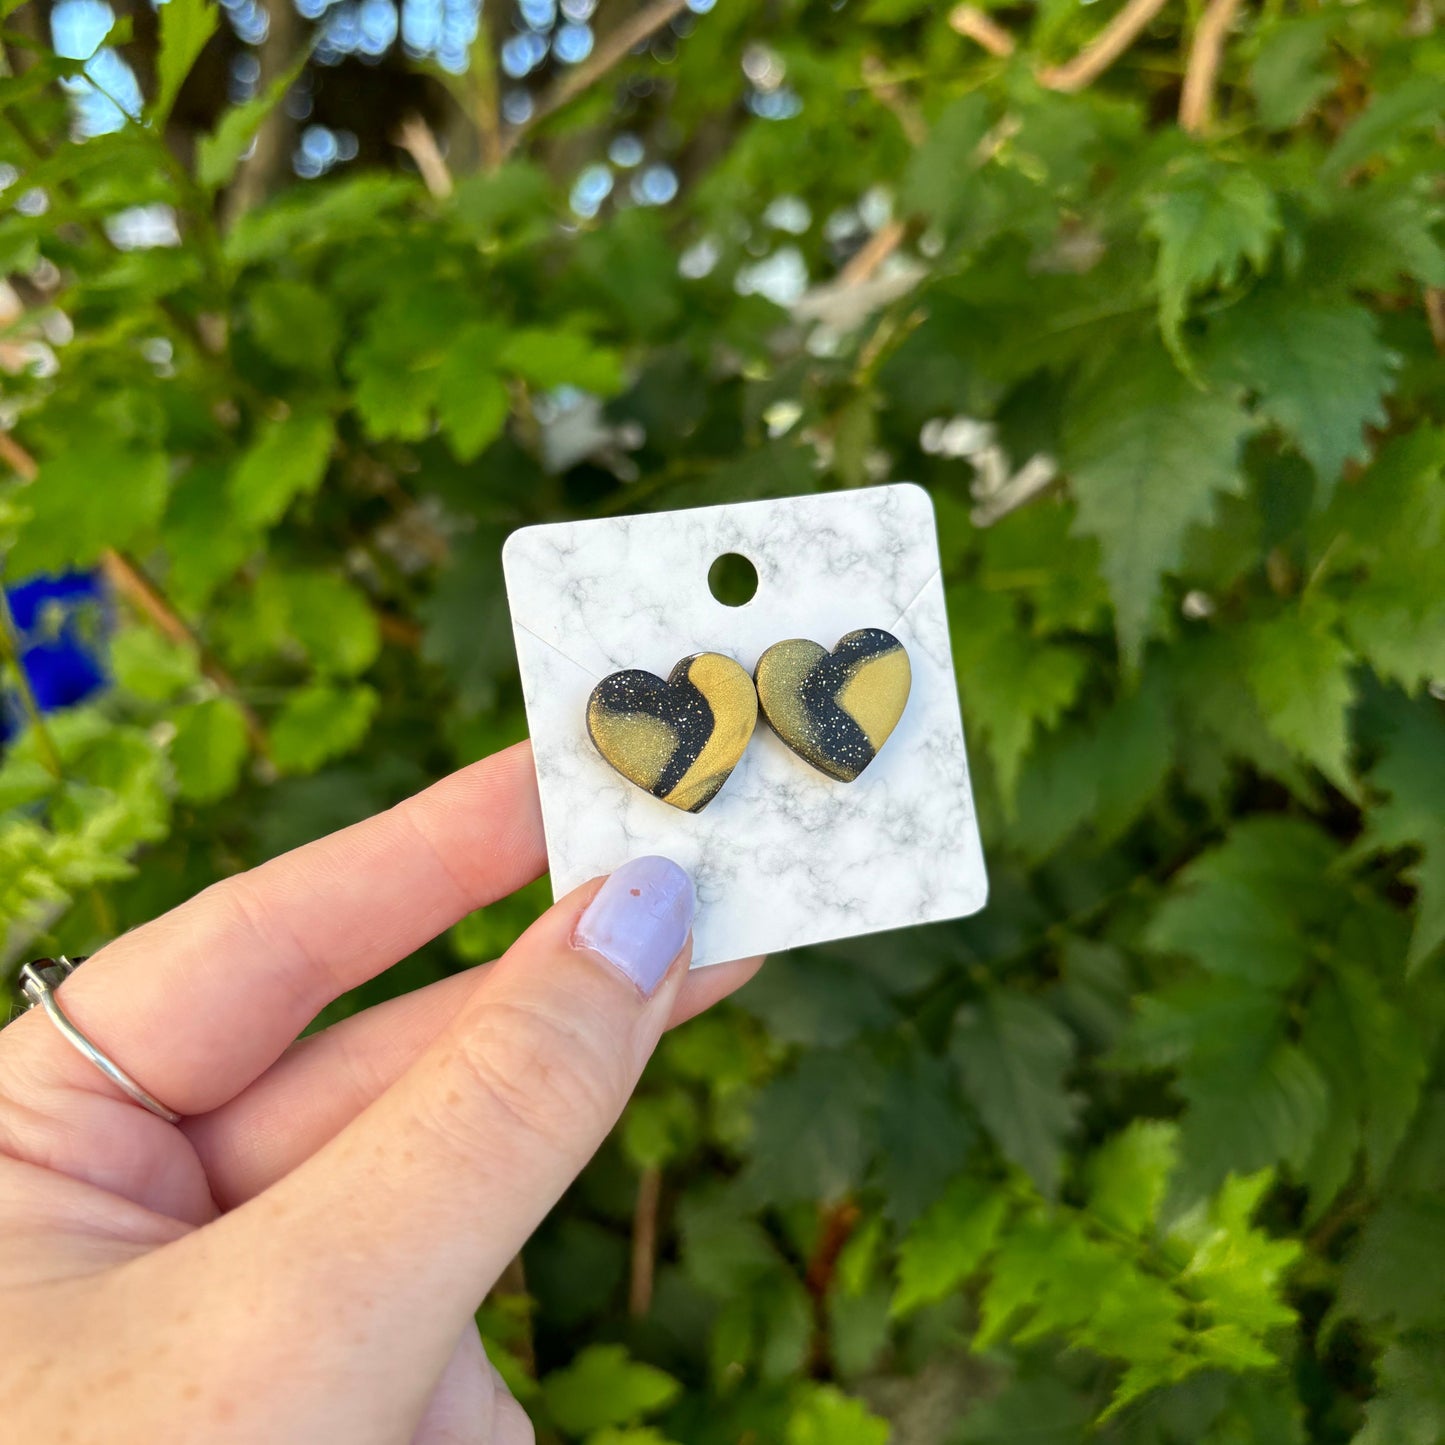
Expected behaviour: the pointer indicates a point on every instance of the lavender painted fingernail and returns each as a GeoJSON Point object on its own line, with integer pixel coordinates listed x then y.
{"type": "Point", "coordinates": [640, 919]}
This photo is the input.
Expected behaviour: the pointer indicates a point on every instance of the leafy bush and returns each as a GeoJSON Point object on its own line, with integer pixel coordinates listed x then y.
{"type": "Point", "coordinates": [1150, 1151]}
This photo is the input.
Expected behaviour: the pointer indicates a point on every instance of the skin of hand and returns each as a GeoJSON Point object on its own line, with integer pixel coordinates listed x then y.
{"type": "Point", "coordinates": [300, 1259]}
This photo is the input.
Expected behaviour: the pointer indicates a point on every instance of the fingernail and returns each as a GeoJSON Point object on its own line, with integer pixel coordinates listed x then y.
{"type": "Point", "coordinates": [640, 919]}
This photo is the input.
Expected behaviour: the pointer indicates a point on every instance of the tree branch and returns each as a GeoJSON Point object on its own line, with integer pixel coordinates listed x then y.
{"type": "Point", "coordinates": [418, 140]}
{"type": "Point", "coordinates": [481, 78]}
{"type": "Point", "coordinates": [864, 263]}
{"type": "Point", "coordinates": [1435, 315]}
{"type": "Point", "coordinates": [1104, 49]}
{"type": "Point", "coordinates": [875, 77]}
{"type": "Point", "coordinates": [513, 1281]}
{"type": "Point", "coordinates": [982, 29]}
{"type": "Point", "coordinates": [644, 1241]}
{"type": "Point", "coordinates": [1089, 64]}
{"type": "Point", "coordinates": [17, 458]}
{"type": "Point", "coordinates": [1196, 101]}
{"type": "Point", "coordinates": [265, 169]}
{"type": "Point", "coordinates": [612, 50]}
{"type": "Point", "coordinates": [130, 582]}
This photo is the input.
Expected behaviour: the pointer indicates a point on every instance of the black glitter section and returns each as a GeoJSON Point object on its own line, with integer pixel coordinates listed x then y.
{"type": "Point", "coordinates": [677, 702]}
{"type": "Point", "coordinates": [835, 735]}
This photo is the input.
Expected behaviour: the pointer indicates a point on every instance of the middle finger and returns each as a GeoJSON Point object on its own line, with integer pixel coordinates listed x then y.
{"type": "Point", "coordinates": [326, 1080]}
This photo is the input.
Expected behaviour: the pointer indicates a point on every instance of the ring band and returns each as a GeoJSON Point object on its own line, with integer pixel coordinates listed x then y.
{"type": "Point", "coordinates": [38, 981]}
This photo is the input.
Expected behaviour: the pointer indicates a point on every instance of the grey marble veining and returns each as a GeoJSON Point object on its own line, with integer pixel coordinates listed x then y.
{"type": "Point", "coordinates": [783, 856]}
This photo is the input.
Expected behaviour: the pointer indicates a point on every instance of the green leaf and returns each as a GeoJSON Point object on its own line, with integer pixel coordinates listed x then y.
{"type": "Point", "coordinates": [467, 630]}
{"type": "Point", "coordinates": [819, 998]}
{"type": "Point", "coordinates": [644, 1435]}
{"type": "Point", "coordinates": [829, 1417]}
{"type": "Point", "coordinates": [1371, 1054]}
{"type": "Point", "coordinates": [1411, 774]}
{"type": "Point", "coordinates": [1050, 1277]}
{"type": "Point", "coordinates": [1255, 1098]}
{"type": "Point", "coordinates": [1392, 115]}
{"type": "Point", "coordinates": [320, 722]}
{"type": "Point", "coordinates": [295, 324]}
{"type": "Point", "coordinates": [1318, 369]}
{"type": "Point", "coordinates": [329, 617]}
{"type": "Point", "coordinates": [1015, 686]}
{"type": "Point", "coordinates": [151, 666]}
{"type": "Point", "coordinates": [1219, 723]}
{"type": "Point", "coordinates": [1392, 524]}
{"type": "Point", "coordinates": [1394, 623]}
{"type": "Point", "coordinates": [471, 399]}
{"type": "Point", "coordinates": [1246, 909]}
{"type": "Point", "coordinates": [318, 214]}
{"type": "Point", "coordinates": [1034, 555]}
{"type": "Point", "coordinates": [1410, 1408]}
{"type": "Point", "coordinates": [1210, 220]}
{"type": "Point", "coordinates": [96, 493]}
{"type": "Point", "coordinates": [939, 181]}
{"type": "Point", "coordinates": [489, 201]}
{"type": "Point", "coordinates": [1034, 1408]}
{"type": "Point", "coordinates": [1233, 1277]}
{"type": "Point", "coordinates": [1373, 236]}
{"type": "Point", "coordinates": [1013, 1056]}
{"type": "Point", "coordinates": [185, 26]}
{"type": "Point", "coordinates": [19, 245]}
{"type": "Point", "coordinates": [784, 1327]}
{"type": "Point", "coordinates": [1148, 452]}
{"type": "Point", "coordinates": [924, 1135]}
{"type": "Point", "coordinates": [725, 1252]}
{"type": "Point", "coordinates": [1237, 1269]}
{"type": "Point", "coordinates": [659, 1128]}
{"type": "Point", "coordinates": [209, 749]}
{"type": "Point", "coordinates": [205, 546]}
{"type": "Point", "coordinates": [397, 365]}
{"type": "Point", "coordinates": [1129, 1173]}
{"type": "Point", "coordinates": [892, 12]}
{"type": "Point", "coordinates": [112, 800]}
{"type": "Point", "coordinates": [548, 358]}
{"type": "Point", "coordinates": [1393, 1273]}
{"type": "Point", "coordinates": [219, 154]}
{"type": "Point", "coordinates": [948, 1244]}
{"type": "Point", "coordinates": [1288, 75]}
{"type": "Point", "coordinates": [1299, 667]}
{"type": "Point", "coordinates": [287, 460]}
{"type": "Point", "coordinates": [859, 1329]}
{"type": "Point", "coordinates": [604, 1386]}
{"type": "Point", "coordinates": [813, 1130]}
{"type": "Point", "coordinates": [1104, 772]}
{"type": "Point", "coordinates": [1131, 753]}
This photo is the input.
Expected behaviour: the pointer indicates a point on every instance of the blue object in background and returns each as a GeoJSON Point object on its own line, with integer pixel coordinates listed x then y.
{"type": "Point", "coordinates": [61, 624]}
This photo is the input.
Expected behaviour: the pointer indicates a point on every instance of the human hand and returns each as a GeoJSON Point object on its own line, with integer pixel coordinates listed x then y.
{"type": "Point", "coordinates": [300, 1259]}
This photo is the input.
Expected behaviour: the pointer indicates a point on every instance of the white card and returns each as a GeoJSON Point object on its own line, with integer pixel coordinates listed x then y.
{"type": "Point", "coordinates": [783, 856]}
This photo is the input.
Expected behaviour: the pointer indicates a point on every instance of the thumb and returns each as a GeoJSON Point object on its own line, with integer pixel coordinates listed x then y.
{"type": "Point", "coordinates": [409, 1214]}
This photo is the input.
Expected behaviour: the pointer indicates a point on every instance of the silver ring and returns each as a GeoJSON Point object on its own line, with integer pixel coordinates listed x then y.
{"type": "Point", "coordinates": [38, 982]}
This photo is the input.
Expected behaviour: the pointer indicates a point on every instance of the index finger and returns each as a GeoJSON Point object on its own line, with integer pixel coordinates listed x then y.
{"type": "Point", "coordinates": [200, 1002]}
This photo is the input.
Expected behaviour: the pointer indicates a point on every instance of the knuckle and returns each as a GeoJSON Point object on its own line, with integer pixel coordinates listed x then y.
{"type": "Point", "coordinates": [239, 913]}
{"type": "Point", "coordinates": [536, 1069]}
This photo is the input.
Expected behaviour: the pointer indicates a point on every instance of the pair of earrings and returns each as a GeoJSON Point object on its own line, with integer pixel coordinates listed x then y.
{"type": "Point", "coordinates": [679, 739]}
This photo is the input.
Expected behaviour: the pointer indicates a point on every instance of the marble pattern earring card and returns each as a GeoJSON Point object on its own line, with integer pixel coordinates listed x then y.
{"type": "Point", "coordinates": [783, 855]}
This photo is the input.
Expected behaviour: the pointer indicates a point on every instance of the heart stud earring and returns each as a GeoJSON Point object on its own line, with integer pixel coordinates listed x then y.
{"type": "Point", "coordinates": [835, 709]}
{"type": "Point", "coordinates": [679, 739]}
